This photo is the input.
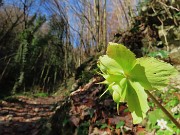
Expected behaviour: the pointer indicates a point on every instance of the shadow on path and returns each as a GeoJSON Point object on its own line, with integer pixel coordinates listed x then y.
{"type": "Point", "coordinates": [25, 116]}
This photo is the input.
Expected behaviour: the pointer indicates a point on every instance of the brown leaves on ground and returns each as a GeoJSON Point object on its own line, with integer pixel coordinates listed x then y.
{"type": "Point", "coordinates": [22, 115]}
{"type": "Point", "coordinates": [83, 113]}
{"type": "Point", "coordinates": [97, 115]}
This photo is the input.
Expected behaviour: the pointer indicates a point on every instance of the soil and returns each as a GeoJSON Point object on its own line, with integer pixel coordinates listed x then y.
{"type": "Point", "coordinates": [24, 115]}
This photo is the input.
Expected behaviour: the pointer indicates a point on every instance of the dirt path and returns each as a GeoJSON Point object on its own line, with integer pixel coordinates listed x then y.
{"type": "Point", "coordinates": [24, 116]}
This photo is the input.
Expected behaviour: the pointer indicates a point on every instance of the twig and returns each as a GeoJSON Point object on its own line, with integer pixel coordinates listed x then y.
{"type": "Point", "coordinates": [162, 28]}
{"type": "Point", "coordinates": [169, 6]}
{"type": "Point", "coordinates": [5, 69]}
{"type": "Point", "coordinates": [163, 109]}
{"type": "Point", "coordinates": [164, 34]}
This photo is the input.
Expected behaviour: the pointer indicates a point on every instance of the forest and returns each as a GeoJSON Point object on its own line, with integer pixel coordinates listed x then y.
{"type": "Point", "coordinates": [89, 67]}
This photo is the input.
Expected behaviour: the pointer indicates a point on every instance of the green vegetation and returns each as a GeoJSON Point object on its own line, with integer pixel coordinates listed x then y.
{"type": "Point", "coordinates": [128, 78]}
{"type": "Point", "coordinates": [41, 94]}
{"type": "Point", "coordinates": [53, 50]}
{"type": "Point", "coordinates": [83, 128]}
{"type": "Point", "coordinates": [159, 54]}
{"type": "Point", "coordinates": [36, 58]}
{"type": "Point", "coordinates": [171, 103]}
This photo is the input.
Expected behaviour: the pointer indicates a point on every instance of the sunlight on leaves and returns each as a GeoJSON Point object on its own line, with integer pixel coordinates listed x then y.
{"type": "Point", "coordinates": [158, 72]}
{"type": "Point", "coordinates": [128, 77]}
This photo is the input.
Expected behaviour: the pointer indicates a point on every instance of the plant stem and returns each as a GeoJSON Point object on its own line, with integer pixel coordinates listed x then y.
{"type": "Point", "coordinates": [163, 109]}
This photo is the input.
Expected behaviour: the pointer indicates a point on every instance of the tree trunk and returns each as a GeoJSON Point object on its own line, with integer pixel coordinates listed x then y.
{"type": "Point", "coordinates": [97, 21]}
{"type": "Point", "coordinates": [105, 28]}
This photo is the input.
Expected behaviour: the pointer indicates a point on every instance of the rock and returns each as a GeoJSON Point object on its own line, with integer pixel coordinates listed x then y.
{"type": "Point", "coordinates": [175, 56]}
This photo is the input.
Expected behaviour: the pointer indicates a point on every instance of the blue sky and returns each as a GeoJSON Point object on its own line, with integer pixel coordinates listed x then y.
{"type": "Point", "coordinates": [34, 9]}
{"type": "Point", "coordinates": [73, 21]}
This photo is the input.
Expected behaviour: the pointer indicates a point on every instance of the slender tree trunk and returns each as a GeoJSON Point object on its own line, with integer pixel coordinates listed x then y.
{"type": "Point", "coordinates": [81, 41]}
{"type": "Point", "coordinates": [24, 12]}
{"type": "Point", "coordinates": [89, 33]}
{"type": "Point", "coordinates": [97, 21]}
{"type": "Point", "coordinates": [105, 28]}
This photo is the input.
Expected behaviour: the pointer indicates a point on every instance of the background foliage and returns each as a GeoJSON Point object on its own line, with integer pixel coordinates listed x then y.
{"type": "Point", "coordinates": [42, 43]}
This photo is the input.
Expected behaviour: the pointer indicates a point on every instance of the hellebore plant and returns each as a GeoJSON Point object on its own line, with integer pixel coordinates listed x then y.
{"type": "Point", "coordinates": [130, 79]}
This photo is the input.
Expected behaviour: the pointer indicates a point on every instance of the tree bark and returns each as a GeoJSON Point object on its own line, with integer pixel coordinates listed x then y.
{"type": "Point", "coordinates": [97, 21]}
{"type": "Point", "coordinates": [105, 28]}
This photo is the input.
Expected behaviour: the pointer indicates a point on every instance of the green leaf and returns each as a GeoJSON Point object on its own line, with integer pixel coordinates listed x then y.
{"type": "Point", "coordinates": [153, 116]}
{"type": "Point", "coordinates": [123, 85]}
{"type": "Point", "coordinates": [120, 124]}
{"type": "Point", "coordinates": [173, 102]}
{"type": "Point", "coordinates": [137, 74]}
{"type": "Point", "coordinates": [137, 101]}
{"type": "Point", "coordinates": [109, 65]}
{"type": "Point", "coordinates": [123, 82]}
{"type": "Point", "coordinates": [116, 93]}
{"type": "Point", "coordinates": [160, 53]}
{"type": "Point", "coordinates": [123, 56]}
{"type": "Point", "coordinates": [104, 126]}
{"type": "Point", "coordinates": [157, 72]}
{"type": "Point", "coordinates": [113, 78]}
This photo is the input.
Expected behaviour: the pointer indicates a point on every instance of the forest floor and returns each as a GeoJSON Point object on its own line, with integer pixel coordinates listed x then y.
{"type": "Point", "coordinates": [89, 114]}
{"type": "Point", "coordinates": [24, 115]}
